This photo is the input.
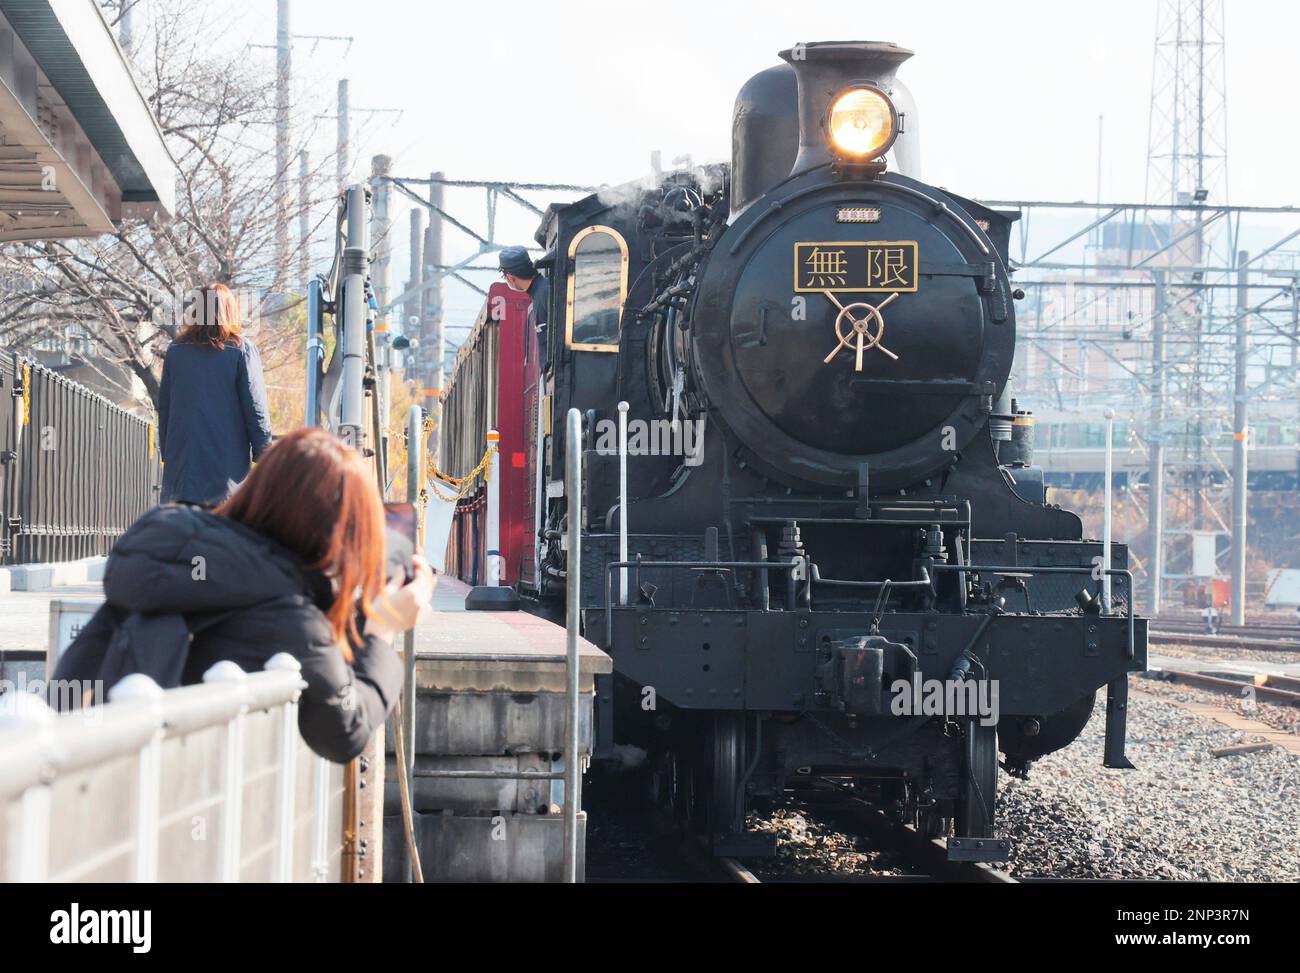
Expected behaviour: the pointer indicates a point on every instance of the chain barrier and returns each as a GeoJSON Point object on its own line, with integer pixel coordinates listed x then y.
{"type": "Point", "coordinates": [433, 476]}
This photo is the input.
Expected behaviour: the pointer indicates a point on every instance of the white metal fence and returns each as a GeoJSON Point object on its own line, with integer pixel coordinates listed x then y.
{"type": "Point", "coordinates": [207, 783]}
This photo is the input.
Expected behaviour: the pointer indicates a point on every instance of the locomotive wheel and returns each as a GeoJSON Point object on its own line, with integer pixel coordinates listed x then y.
{"type": "Point", "coordinates": [728, 745]}
{"type": "Point", "coordinates": [977, 797]}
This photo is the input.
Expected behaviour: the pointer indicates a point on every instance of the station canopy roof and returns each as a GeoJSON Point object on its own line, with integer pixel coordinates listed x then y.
{"type": "Point", "coordinates": [79, 148]}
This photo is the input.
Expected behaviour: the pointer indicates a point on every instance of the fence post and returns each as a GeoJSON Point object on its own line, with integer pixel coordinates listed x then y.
{"type": "Point", "coordinates": [320, 798]}
{"type": "Point", "coordinates": [232, 817]}
{"type": "Point", "coordinates": [140, 689]}
{"type": "Point", "coordinates": [284, 662]}
{"type": "Point", "coordinates": [30, 848]}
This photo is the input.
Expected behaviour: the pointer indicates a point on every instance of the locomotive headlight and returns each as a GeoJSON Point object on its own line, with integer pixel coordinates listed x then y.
{"type": "Point", "coordinates": [862, 123]}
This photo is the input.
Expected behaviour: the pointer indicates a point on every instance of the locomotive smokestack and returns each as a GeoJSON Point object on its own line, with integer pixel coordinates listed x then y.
{"type": "Point", "coordinates": [824, 70]}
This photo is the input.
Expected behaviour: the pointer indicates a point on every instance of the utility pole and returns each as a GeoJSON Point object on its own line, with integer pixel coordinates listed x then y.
{"type": "Point", "coordinates": [431, 332]}
{"type": "Point", "coordinates": [342, 159]}
{"type": "Point", "coordinates": [411, 310]}
{"type": "Point", "coordinates": [283, 75]}
{"type": "Point", "coordinates": [1240, 431]}
{"type": "Point", "coordinates": [381, 263]}
{"type": "Point", "coordinates": [381, 229]}
{"type": "Point", "coordinates": [1156, 445]}
{"type": "Point", "coordinates": [284, 38]}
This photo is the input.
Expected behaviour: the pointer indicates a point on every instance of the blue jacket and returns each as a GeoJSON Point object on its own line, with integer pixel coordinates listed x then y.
{"type": "Point", "coordinates": [213, 420]}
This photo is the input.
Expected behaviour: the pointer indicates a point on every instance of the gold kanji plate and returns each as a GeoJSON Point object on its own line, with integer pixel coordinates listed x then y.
{"type": "Point", "coordinates": [857, 266]}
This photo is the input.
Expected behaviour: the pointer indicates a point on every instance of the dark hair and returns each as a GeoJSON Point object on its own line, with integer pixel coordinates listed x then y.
{"type": "Point", "coordinates": [212, 318]}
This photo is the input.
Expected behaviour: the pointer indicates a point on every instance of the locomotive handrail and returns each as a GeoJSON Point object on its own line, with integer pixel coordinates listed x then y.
{"type": "Point", "coordinates": [1059, 569]}
{"type": "Point", "coordinates": [573, 454]}
{"type": "Point", "coordinates": [613, 566]}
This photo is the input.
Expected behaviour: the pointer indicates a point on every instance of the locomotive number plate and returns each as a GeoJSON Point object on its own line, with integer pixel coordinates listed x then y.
{"type": "Point", "coordinates": [880, 266]}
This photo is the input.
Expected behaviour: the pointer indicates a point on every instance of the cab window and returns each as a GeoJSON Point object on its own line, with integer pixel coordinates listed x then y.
{"type": "Point", "coordinates": [597, 289]}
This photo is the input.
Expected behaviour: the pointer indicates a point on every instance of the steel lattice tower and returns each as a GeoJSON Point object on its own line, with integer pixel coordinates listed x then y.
{"type": "Point", "coordinates": [1187, 164]}
{"type": "Point", "coordinates": [1187, 141]}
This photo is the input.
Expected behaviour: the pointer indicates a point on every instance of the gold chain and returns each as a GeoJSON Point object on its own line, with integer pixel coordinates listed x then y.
{"type": "Point", "coordinates": [460, 484]}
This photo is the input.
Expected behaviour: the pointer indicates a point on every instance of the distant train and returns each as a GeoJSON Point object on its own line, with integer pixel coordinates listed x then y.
{"type": "Point", "coordinates": [844, 571]}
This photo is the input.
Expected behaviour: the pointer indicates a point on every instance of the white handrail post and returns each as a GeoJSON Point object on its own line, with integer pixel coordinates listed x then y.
{"type": "Point", "coordinates": [1109, 415]}
{"type": "Point", "coordinates": [320, 821]}
{"type": "Point", "coordinates": [573, 576]}
{"type": "Point", "coordinates": [29, 848]}
{"type": "Point", "coordinates": [494, 567]}
{"type": "Point", "coordinates": [139, 688]}
{"type": "Point", "coordinates": [622, 500]}
{"type": "Point", "coordinates": [232, 816]}
{"type": "Point", "coordinates": [283, 871]}
{"type": "Point", "coordinates": [34, 849]}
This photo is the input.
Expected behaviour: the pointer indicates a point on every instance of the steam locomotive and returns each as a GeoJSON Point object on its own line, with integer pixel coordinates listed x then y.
{"type": "Point", "coordinates": [842, 569]}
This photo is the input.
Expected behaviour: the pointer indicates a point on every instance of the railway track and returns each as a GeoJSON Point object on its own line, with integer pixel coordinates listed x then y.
{"type": "Point", "coordinates": [1279, 690]}
{"type": "Point", "coordinates": [920, 859]}
{"type": "Point", "coordinates": [1224, 640]}
{"type": "Point", "coordinates": [1263, 630]}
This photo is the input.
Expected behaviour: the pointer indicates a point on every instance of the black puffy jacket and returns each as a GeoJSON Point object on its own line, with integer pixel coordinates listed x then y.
{"type": "Point", "coordinates": [186, 588]}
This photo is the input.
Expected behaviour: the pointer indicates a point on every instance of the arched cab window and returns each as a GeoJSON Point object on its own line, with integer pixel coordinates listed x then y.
{"type": "Point", "coordinates": [597, 289]}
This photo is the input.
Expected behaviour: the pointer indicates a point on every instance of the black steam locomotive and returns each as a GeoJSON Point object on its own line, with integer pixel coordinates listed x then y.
{"type": "Point", "coordinates": [842, 566]}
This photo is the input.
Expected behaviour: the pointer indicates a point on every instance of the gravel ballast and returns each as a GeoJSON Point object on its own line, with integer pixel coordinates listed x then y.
{"type": "Point", "coordinates": [1182, 814]}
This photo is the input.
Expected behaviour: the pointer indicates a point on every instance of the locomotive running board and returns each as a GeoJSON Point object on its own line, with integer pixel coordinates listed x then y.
{"type": "Point", "coordinates": [979, 849]}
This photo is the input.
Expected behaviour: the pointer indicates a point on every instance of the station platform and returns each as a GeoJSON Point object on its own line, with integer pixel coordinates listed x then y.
{"type": "Point", "coordinates": [490, 728]}
{"type": "Point", "coordinates": [25, 615]}
{"type": "Point", "coordinates": [454, 634]}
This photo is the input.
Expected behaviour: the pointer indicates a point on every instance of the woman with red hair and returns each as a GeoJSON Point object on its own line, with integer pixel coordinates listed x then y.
{"type": "Point", "coordinates": [212, 412]}
{"type": "Point", "coordinates": [293, 562]}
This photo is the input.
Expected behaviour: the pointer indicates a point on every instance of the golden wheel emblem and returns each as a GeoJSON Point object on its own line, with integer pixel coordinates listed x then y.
{"type": "Point", "coordinates": [865, 332]}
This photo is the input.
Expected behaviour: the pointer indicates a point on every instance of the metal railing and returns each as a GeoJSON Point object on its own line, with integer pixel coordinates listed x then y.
{"type": "Point", "coordinates": [206, 783]}
{"type": "Point", "coordinates": [75, 469]}
{"type": "Point", "coordinates": [573, 619]}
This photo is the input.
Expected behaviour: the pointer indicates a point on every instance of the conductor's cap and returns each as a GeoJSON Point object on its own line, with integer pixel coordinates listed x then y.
{"type": "Point", "coordinates": [515, 260]}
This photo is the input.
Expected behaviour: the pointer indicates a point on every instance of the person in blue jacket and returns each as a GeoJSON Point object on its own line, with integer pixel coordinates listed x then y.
{"type": "Point", "coordinates": [213, 419]}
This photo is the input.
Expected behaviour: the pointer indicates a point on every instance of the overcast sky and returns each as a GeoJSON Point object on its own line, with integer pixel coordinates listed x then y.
{"type": "Point", "coordinates": [1008, 92]}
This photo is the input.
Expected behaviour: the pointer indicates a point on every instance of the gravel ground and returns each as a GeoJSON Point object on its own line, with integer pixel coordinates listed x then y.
{"type": "Point", "coordinates": [1182, 814]}
{"type": "Point", "coordinates": [1215, 654]}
